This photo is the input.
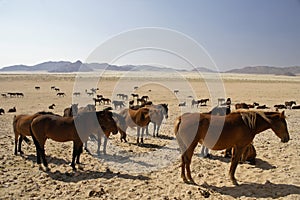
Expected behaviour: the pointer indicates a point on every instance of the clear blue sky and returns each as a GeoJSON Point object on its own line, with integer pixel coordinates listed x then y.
{"type": "Point", "coordinates": [236, 33]}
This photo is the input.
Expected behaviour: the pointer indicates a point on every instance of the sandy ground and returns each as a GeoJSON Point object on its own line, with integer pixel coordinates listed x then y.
{"type": "Point", "coordinates": [150, 171]}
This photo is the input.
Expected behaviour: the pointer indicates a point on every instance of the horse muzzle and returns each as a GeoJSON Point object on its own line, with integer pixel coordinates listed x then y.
{"type": "Point", "coordinates": [285, 139]}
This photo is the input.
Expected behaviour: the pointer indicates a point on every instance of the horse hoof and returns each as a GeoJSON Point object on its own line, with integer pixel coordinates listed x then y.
{"type": "Point", "coordinates": [234, 182]}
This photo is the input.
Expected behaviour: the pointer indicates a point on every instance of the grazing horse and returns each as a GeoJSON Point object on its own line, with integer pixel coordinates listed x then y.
{"type": "Point", "coordinates": [157, 121]}
{"type": "Point", "coordinates": [21, 127]}
{"type": "Point", "coordinates": [12, 110]}
{"type": "Point", "coordinates": [289, 104]}
{"type": "Point", "coordinates": [37, 87]}
{"type": "Point", "coordinates": [296, 107]}
{"type": "Point", "coordinates": [97, 100]}
{"type": "Point", "coordinates": [194, 102]}
{"type": "Point", "coordinates": [51, 106]}
{"type": "Point", "coordinates": [139, 118]}
{"type": "Point", "coordinates": [63, 129]}
{"type": "Point", "coordinates": [203, 102]}
{"type": "Point", "coordinates": [237, 130]}
{"type": "Point", "coordinates": [176, 91]}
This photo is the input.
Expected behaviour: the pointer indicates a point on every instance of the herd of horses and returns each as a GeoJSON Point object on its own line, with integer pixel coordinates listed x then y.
{"type": "Point", "coordinates": [235, 130]}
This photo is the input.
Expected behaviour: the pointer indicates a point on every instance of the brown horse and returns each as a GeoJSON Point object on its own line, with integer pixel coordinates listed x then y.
{"type": "Point", "coordinates": [21, 127]}
{"type": "Point", "coordinates": [71, 111]}
{"type": "Point", "coordinates": [248, 155]}
{"type": "Point", "coordinates": [235, 130]}
{"type": "Point", "coordinates": [157, 121]}
{"type": "Point", "coordinates": [63, 129]}
{"type": "Point", "coordinates": [139, 118]}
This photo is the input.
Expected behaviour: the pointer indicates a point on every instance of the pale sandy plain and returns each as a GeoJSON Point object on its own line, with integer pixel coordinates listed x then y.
{"type": "Point", "coordinates": [151, 171]}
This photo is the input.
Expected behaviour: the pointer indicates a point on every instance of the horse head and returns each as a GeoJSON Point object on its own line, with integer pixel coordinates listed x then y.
{"type": "Point", "coordinates": [107, 122]}
{"type": "Point", "coordinates": [279, 126]}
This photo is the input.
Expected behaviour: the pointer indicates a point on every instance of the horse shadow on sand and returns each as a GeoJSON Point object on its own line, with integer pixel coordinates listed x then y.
{"type": "Point", "coordinates": [87, 174]}
{"type": "Point", "coordinates": [264, 165]}
{"type": "Point", "coordinates": [256, 190]}
{"type": "Point", "coordinates": [91, 174]}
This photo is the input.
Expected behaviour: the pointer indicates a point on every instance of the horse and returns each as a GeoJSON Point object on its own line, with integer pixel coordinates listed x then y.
{"type": "Point", "coordinates": [203, 102]}
{"type": "Point", "coordinates": [262, 107]}
{"type": "Point", "coordinates": [76, 93]}
{"type": "Point", "coordinates": [182, 104]}
{"type": "Point", "coordinates": [71, 111]}
{"type": "Point", "coordinates": [289, 104]}
{"type": "Point", "coordinates": [280, 106]}
{"type": "Point", "coordinates": [63, 129]}
{"type": "Point", "coordinates": [296, 107]}
{"type": "Point", "coordinates": [139, 118]}
{"type": "Point", "coordinates": [12, 110]}
{"type": "Point", "coordinates": [21, 127]}
{"type": "Point", "coordinates": [241, 106]}
{"type": "Point", "coordinates": [61, 94]}
{"type": "Point", "coordinates": [194, 102]}
{"type": "Point", "coordinates": [159, 118]}
{"type": "Point", "coordinates": [176, 91]}
{"type": "Point", "coordinates": [118, 103]}
{"type": "Point", "coordinates": [51, 106]}
{"type": "Point", "coordinates": [37, 87]}
{"type": "Point", "coordinates": [238, 130]}
{"type": "Point", "coordinates": [134, 95]}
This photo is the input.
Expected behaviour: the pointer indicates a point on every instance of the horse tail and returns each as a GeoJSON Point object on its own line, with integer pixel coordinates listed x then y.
{"type": "Point", "coordinates": [177, 124]}
{"type": "Point", "coordinates": [34, 139]}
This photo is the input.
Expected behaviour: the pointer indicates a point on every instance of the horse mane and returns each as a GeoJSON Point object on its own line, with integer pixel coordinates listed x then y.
{"type": "Point", "coordinates": [249, 118]}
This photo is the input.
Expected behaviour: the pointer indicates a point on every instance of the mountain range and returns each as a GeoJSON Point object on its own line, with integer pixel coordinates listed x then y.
{"type": "Point", "coordinates": [78, 66]}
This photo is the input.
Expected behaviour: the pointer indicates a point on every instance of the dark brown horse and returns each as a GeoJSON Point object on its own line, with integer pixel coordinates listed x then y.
{"type": "Point", "coordinates": [63, 129]}
{"type": "Point", "coordinates": [71, 111]}
{"type": "Point", "coordinates": [21, 127]}
{"type": "Point", "coordinates": [235, 130]}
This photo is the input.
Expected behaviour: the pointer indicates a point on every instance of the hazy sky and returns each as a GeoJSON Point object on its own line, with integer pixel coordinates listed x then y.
{"type": "Point", "coordinates": [235, 33]}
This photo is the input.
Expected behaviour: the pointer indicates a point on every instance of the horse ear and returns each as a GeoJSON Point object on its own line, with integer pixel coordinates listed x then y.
{"type": "Point", "coordinates": [282, 114]}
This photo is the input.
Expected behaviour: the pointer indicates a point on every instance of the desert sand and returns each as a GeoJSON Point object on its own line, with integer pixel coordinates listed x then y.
{"type": "Point", "coordinates": [150, 171]}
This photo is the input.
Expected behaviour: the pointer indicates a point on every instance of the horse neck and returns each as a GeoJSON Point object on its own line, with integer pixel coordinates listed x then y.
{"type": "Point", "coordinates": [261, 124]}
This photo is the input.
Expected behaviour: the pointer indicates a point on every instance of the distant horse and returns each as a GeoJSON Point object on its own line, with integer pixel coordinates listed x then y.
{"type": "Point", "coordinates": [97, 101]}
{"type": "Point", "coordinates": [105, 100]}
{"type": "Point", "coordinates": [176, 91]}
{"type": "Point", "coordinates": [193, 103]}
{"type": "Point", "coordinates": [220, 110]}
{"type": "Point", "coordinates": [221, 101]}
{"type": "Point", "coordinates": [2, 111]}
{"type": "Point", "coordinates": [51, 106]}
{"type": "Point", "coordinates": [296, 107]}
{"type": "Point", "coordinates": [53, 87]}
{"type": "Point", "coordinates": [157, 121]}
{"type": "Point", "coordinates": [145, 97]}
{"type": "Point", "coordinates": [12, 110]}
{"type": "Point", "coordinates": [203, 102]}
{"type": "Point", "coordinates": [238, 131]}
{"type": "Point", "coordinates": [182, 104]}
{"type": "Point", "coordinates": [56, 89]}
{"type": "Point", "coordinates": [139, 118]}
{"type": "Point", "coordinates": [241, 106]}
{"type": "Point", "coordinates": [63, 129]}
{"type": "Point", "coordinates": [134, 95]}
{"type": "Point", "coordinates": [61, 94]}
{"type": "Point", "coordinates": [262, 107]}
{"type": "Point", "coordinates": [289, 104]}
{"type": "Point", "coordinates": [76, 93]}
{"type": "Point", "coordinates": [280, 106]}
{"type": "Point", "coordinates": [119, 104]}
{"type": "Point", "coordinates": [140, 100]}
{"type": "Point", "coordinates": [37, 87]}
{"type": "Point", "coordinates": [21, 127]}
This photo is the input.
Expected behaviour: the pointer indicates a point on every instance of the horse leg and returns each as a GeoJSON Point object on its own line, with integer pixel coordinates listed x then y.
{"type": "Point", "coordinates": [138, 135]}
{"type": "Point", "coordinates": [157, 130]}
{"type": "Point", "coordinates": [16, 144]}
{"type": "Point", "coordinates": [147, 130]}
{"type": "Point", "coordinates": [74, 155]}
{"type": "Point", "coordinates": [99, 142]}
{"type": "Point", "coordinates": [20, 143]}
{"type": "Point", "coordinates": [183, 169]}
{"type": "Point", "coordinates": [142, 137]}
{"type": "Point", "coordinates": [104, 144]}
{"type": "Point", "coordinates": [43, 155]}
{"type": "Point", "coordinates": [154, 128]}
{"type": "Point", "coordinates": [79, 151]}
{"type": "Point", "coordinates": [236, 156]}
